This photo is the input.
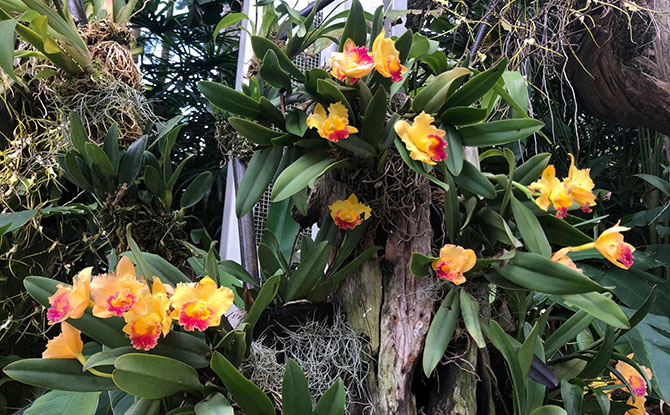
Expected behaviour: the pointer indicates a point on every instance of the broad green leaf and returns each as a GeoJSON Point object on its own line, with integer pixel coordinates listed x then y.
{"type": "Point", "coordinates": [567, 332]}
{"type": "Point", "coordinates": [295, 393]}
{"type": "Point", "coordinates": [296, 122]}
{"type": "Point", "coordinates": [531, 170]}
{"type": "Point", "coordinates": [531, 231]}
{"type": "Point", "coordinates": [196, 190]}
{"type": "Point", "coordinates": [281, 224]}
{"type": "Point", "coordinates": [358, 146]}
{"type": "Point", "coordinates": [474, 181]}
{"type": "Point", "coordinates": [454, 150]}
{"type": "Point", "coordinates": [322, 290]}
{"type": "Point", "coordinates": [332, 402]}
{"type": "Point", "coordinates": [160, 267]}
{"type": "Point", "coordinates": [57, 374]}
{"type": "Point", "coordinates": [154, 182]}
{"type": "Point", "coordinates": [328, 89]}
{"type": "Point", "coordinates": [215, 404]}
{"type": "Point", "coordinates": [537, 273]}
{"type": "Point", "coordinates": [131, 162]}
{"type": "Point", "coordinates": [375, 116]}
{"type": "Point", "coordinates": [657, 182]}
{"type": "Point", "coordinates": [185, 347]}
{"type": "Point", "coordinates": [599, 306]}
{"type": "Point", "coordinates": [7, 48]}
{"type": "Point", "coordinates": [229, 99]}
{"type": "Point", "coordinates": [262, 45]}
{"type": "Point", "coordinates": [61, 402]}
{"type": "Point", "coordinates": [476, 87]}
{"type": "Point", "coordinates": [470, 313]}
{"type": "Point", "coordinates": [433, 95]}
{"type": "Point", "coordinates": [549, 410]}
{"type": "Point", "coordinates": [10, 222]}
{"type": "Point", "coordinates": [107, 357]}
{"type": "Point", "coordinates": [237, 271]}
{"type": "Point", "coordinates": [602, 358]}
{"type": "Point", "coordinates": [257, 178]}
{"type": "Point", "coordinates": [78, 134]}
{"type": "Point", "coordinates": [228, 20]}
{"type": "Point", "coordinates": [419, 265]}
{"type": "Point", "coordinates": [144, 407]}
{"type": "Point", "coordinates": [308, 272]}
{"type": "Point", "coordinates": [560, 232]}
{"type": "Point", "coordinates": [403, 44]}
{"type": "Point", "coordinates": [356, 27]}
{"type": "Point", "coordinates": [517, 88]}
{"type": "Point", "coordinates": [254, 132]}
{"type": "Point", "coordinates": [97, 156]}
{"type": "Point", "coordinates": [246, 395]}
{"type": "Point", "coordinates": [573, 396]}
{"type": "Point", "coordinates": [498, 228]}
{"type": "Point", "coordinates": [273, 74]}
{"type": "Point", "coordinates": [463, 115]}
{"type": "Point", "coordinates": [499, 132]}
{"type": "Point", "coordinates": [263, 300]}
{"type": "Point", "coordinates": [440, 332]}
{"type": "Point", "coordinates": [153, 377]}
{"type": "Point", "coordinates": [502, 343]}
{"type": "Point", "coordinates": [300, 173]}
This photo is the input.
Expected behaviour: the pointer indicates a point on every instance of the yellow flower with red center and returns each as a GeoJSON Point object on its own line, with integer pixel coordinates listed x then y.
{"type": "Point", "coordinates": [612, 246]}
{"type": "Point", "coordinates": [334, 125]}
{"type": "Point", "coordinates": [144, 329]}
{"type": "Point", "coordinates": [353, 63]}
{"type": "Point", "coordinates": [347, 213]}
{"type": "Point", "coordinates": [561, 256]}
{"type": "Point", "coordinates": [116, 293]}
{"type": "Point", "coordinates": [67, 345]}
{"type": "Point", "coordinates": [552, 191]}
{"type": "Point", "coordinates": [70, 301]}
{"type": "Point", "coordinates": [200, 305]}
{"type": "Point", "coordinates": [637, 384]}
{"type": "Point", "coordinates": [387, 58]}
{"type": "Point", "coordinates": [580, 186]}
{"type": "Point", "coordinates": [454, 260]}
{"type": "Point", "coordinates": [422, 139]}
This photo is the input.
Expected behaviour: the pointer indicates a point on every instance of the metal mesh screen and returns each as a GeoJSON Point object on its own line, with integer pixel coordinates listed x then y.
{"type": "Point", "coordinates": [304, 62]}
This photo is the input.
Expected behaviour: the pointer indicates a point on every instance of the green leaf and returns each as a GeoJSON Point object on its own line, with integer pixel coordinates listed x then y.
{"type": "Point", "coordinates": [433, 95]}
{"type": "Point", "coordinates": [300, 173]}
{"type": "Point", "coordinates": [247, 395]}
{"type": "Point", "coordinates": [441, 331]}
{"type": "Point", "coordinates": [330, 91]}
{"type": "Point", "coordinates": [262, 46]}
{"type": "Point", "coordinates": [153, 377]}
{"type": "Point", "coordinates": [61, 402]}
{"type": "Point", "coordinates": [107, 357]}
{"type": "Point", "coordinates": [137, 254]}
{"type": "Point", "coordinates": [160, 267]}
{"type": "Point", "coordinates": [454, 150]}
{"type": "Point", "coordinates": [403, 44]}
{"type": "Point", "coordinates": [154, 182]}
{"type": "Point", "coordinates": [295, 392]}
{"type": "Point", "coordinates": [237, 271]}
{"type": "Point", "coordinates": [196, 190]}
{"type": "Point", "coordinates": [531, 170]}
{"type": "Point", "coordinates": [9, 222]}
{"type": "Point", "coordinates": [57, 374]}
{"type": "Point", "coordinates": [567, 332]}
{"type": "Point", "coordinates": [263, 300]}
{"type": "Point", "coordinates": [476, 87]}
{"type": "Point", "coordinates": [499, 132]}
{"type": "Point", "coordinates": [78, 134]}
{"type": "Point", "coordinates": [657, 182]}
{"type": "Point", "coordinates": [7, 48]}
{"type": "Point", "coordinates": [308, 273]}
{"type": "Point", "coordinates": [377, 25]}
{"type": "Point", "coordinates": [527, 350]}
{"type": "Point", "coordinates": [228, 20]}
{"type": "Point", "coordinates": [573, 396]}
{"type": "Point", "coordinates": [229, 99]}
{"type": "Point", "coordinates": [96, 156]}
{"type": "Point", "coordinates": [212, 264]}
{"type": "Point", "coordinates": [560, 232]}
{"type": "Point", "coordinates": [599, 306]}
{"type": "Point", "coordinates": [254, 132]}
{"type": "Point", "coordinates": [470, 312]}
{"type": "Point", "coordinates": [474, 181]}
{"type": "Point", "coordinates": [358, 146]}
{"type": "Point", "coordinates": [420, 264]}
{"type": "Point", "coordinates": [332, 401]}
{"type": "Point", "coordinates": [356, 27]}
{"type": "Point", "coordinates": [144, 407]}
{"type": "Point", "coordinates": [549, 410]}
{"type": "Point", "coordinates": [131, 162]}
{"type": "Point", "coordinates": [375, 116]}
{"type": "Point", "coordinates": [296, 122]}
{"type": "Point", "coordinates": [502, 343]}
{"type": "Point", "coordinates": [187, 348]}
{"type": "Point", "coordinates": [215, 404]}
{"type": "Point", "coordinates": [463, 115]}
{"type": "Point", "coordinates": [268, 260]}
{"type": "Point", "coordinates": [273, 74]}
{"type": "Point", "coordinates": [280, 223]}
{"type": "Point", "coordinates": [498, 228]}
{"type": "Point", "coordinates": [531, 231]}
{"type": "Point", "coordinates": [602, 358]}
{"type": "Point", "coordinates": [537, 273]}
{"type": "Point", "coordinates": [257, 178]}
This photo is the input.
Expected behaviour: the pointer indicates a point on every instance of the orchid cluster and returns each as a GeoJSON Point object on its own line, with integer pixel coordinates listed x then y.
{"type": "Point", "coordinates": [147, 309]}
{"type": "Point", "coordinates": [577, 188]}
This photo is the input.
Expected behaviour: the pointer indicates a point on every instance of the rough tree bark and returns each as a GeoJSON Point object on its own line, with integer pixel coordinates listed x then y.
{"type": "Point", "coordinates": [615, 88]}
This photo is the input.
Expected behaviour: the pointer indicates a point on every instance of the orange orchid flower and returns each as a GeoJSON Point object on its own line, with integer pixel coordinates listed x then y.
{"type": "Point", "coordinates": [580, 186]}
{"type": "Point", "coordinates": [67, 345]}
{"type": "Point", "coordinates": [552, 191]}
{"type": "Point", "coordinates": [118, 292]}
{"type": "Point", "coordinates": [144, 329]}
{"type": "Point", "coordinates": [454, 260]}
{"type": "Point", "coordinates": [353, 63]}
{"type": "Point", "coordinates": [200, 305]}
{"type": "Point", "coordinates": [387, 58]}
{"type": "Point", "coordinates": [422, 139]}
{"type": "Point", "coordinates": [347, 213]}
{"type": "Point", "coordinates": [70, 301]}
{"type": "Point", "coordinates": [334, 125]}
{"type": "Point", "coordinates": [561, 256]}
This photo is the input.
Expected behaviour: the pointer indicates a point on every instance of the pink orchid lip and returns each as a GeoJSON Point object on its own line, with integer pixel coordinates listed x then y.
{"type": "Point", "coordinates": [561, 212]}
{"type": "Point", "coordinates": [446, 275]}
{"type": "Point", "coordinates": [343, 224]}
{"type": "Point", "coordinates": [626, 256]}
{"type": "Point", "coordinates": [437, 150]}
{"type": "Point", "coordinates": [59, 308]}
{"type": "Point", "coordinates": [120, 310]}
{"type": "Point", "coordinates": [338, 135]}
{"type": "Point", "coordinates": [144, 342]}
{"type": "Point", "coordinates": [193, 322]}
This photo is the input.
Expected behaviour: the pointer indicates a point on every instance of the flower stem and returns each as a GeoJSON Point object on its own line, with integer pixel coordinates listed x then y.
{"type": "Point", "coordinates": [80, 357]}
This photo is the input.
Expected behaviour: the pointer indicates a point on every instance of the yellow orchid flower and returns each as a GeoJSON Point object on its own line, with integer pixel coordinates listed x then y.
{"type": "Point", "coordinates": [200, 305]}
{"type": "Point", "coordinates": [333, 126]}
{"type": "Point", "coordinates": [422, 139]}
{"type": "Point", "coordinates": [561, 256]}
{"type": "Point", "coordinates": [633, 377]}
{"type": "Point", "coordinates": [638, 405]}
{"type": "Point", "coordinates": [454, 260]}
{"type": "Point", "coordinates": [70, 301]}
{"type": "Point", "coordinates": [67, 345]}
{"type": "Point", "coordinates": [347, 213]}
{"type": "Point", "coordinates": [353, 63]}
{"type": "Point", "coordinates": [612, 246]}
{"type": "Point", "coordinates": [145, 329]}
{"type": "Point", "coordinates": [580, 186]}
{"type": "Point", "coordinates": [552, 191]}
{"type": "Point", "coordinates": [387, 58]}
{"type": "Point", "coordinates": [116, 293]}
